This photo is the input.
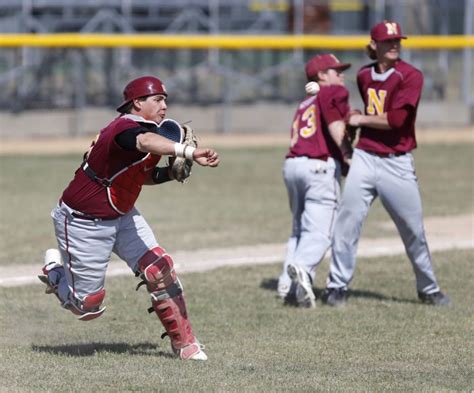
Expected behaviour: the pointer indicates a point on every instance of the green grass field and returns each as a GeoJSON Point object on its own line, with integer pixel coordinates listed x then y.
{"type": "Point", "coordinates": [383, 340]}
{"type": "Point", "coordinates": [241, 202]}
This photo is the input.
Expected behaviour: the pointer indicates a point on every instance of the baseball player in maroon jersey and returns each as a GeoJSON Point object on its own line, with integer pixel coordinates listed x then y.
{"type": "Point", "coordinates": [96, 216]}
{"type": "Point", "coordinates": [382, 166]}
{"type": "Point", "coordinates": [312, 173]}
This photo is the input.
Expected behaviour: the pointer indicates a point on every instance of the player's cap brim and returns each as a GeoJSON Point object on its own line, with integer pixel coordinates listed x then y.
{"type": "Point", "coordinates": [341, 67]}
{"type": "Point", "coordinates": [392, 37]}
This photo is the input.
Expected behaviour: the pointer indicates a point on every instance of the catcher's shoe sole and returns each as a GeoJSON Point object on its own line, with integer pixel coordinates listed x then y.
{"type": "Point", "coordinates": [304, 290]}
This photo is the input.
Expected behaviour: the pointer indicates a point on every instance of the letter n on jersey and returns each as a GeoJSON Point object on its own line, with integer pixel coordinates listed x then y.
{"type": "Point", "coordinates": [375, 101]}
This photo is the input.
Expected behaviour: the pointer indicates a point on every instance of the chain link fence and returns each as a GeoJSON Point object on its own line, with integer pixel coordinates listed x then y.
{"type": "Point", "coordinates": [75, 78]}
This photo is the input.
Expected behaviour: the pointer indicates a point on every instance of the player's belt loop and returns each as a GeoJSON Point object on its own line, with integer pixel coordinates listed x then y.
{"type": "Point", "coordinates": [93, 176]}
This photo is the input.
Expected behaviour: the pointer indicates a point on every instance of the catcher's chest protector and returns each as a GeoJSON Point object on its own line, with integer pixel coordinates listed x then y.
{"type": "Point", "coordinates": [126, 185]}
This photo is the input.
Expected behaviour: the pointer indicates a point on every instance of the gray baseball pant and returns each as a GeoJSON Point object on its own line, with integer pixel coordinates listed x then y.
{"type": "Point", "coordinates": [86, 247]}
{"type": "Point", "coordinates": [313, 191]}
{"type": "Point", "coordinates": [393, 179]}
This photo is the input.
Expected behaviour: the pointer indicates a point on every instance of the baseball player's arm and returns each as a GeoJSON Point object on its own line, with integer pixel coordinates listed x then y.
{"type": "Point", "coordinates": [373, 121]}
{"type": "Point", "coordinates": [156, 144]}
{"type": "Point", "coordinates": [395, 118]}
{"type": "Point", "coordinates": [337, 130]}
{"type": "Point", "coordinates": [150, 142]}
{"type": "Point", "coordinates": [159, 175]}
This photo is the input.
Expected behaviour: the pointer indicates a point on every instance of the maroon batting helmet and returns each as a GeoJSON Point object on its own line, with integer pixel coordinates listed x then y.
{"type": "Point", "coordinates": [141, 87]}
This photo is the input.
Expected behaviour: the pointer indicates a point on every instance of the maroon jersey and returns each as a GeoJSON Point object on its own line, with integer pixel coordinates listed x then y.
{"type": "Point", "coordinates": [310, 133]}
{"type": "Point", "coordinates": [398, 88]}
{"type": "Point", "coordinates": [128, 170]}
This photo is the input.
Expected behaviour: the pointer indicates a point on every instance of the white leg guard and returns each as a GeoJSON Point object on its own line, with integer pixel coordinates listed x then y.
{"type": "Point", "coordinates": [167, 300]}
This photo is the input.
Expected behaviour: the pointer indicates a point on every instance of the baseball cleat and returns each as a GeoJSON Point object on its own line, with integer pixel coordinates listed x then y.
{"type": "Point", "coordinates": [435, 299]}
{"type": "Point", "coordinates": [335, 297]}
{"type": "Point", "coordinates": [52, 260]}
{"type": "Point", "coordinates": [44, 279]}
{"type": "Point", "coordinates": [190, 352]}
{"type": "Point", "coordinates": [304, 287]}
{"type": "Point", "coordinates": [283, 289]}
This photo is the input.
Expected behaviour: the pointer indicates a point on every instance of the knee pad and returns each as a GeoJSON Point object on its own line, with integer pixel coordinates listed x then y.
{"type": "Point", "coordinates": [156, 269]}
{"type": "Point", "coordinates": [89, 308]}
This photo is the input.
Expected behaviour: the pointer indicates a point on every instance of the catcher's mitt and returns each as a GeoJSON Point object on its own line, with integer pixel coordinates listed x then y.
{"type": "Point", "coordinates": [180, 166]}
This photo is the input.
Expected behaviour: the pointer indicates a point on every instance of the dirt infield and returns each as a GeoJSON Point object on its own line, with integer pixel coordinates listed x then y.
{"type": "Point", "coordinates": [42, 146]}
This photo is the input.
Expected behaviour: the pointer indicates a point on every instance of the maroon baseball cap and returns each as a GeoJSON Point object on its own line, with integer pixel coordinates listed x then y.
{"type": "Point", "coordinates": [324, 63]}
{"type": "Point", "coordinates": [386, 31]}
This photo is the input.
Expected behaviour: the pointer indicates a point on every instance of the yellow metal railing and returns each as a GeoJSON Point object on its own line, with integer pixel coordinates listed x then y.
{"type": "Point", "coordinates": [228, 42]}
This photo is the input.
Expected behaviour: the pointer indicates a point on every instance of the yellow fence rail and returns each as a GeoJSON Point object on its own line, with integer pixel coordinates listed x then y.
{"type": "Point", "coordinates": [228, 42]}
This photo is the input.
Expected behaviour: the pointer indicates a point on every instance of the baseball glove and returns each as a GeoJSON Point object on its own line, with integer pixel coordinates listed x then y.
{"type": "Point", "coordinates": [351, 131]}
{"type": "Point", "coordinates": [180, 166]}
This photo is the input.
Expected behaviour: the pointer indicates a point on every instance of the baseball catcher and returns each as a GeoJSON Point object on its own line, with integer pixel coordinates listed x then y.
{"type": "Point", "coordinates": [96, 214]}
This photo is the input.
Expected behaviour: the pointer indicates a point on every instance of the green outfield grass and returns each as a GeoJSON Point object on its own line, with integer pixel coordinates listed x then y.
{"type": "Point", "coordinates": [383, 340]}
{"type": "Point", "coordinates": [242, 202]}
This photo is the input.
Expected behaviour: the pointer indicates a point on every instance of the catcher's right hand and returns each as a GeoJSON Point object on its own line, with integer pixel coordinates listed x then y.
{"type": "Point", "coordinates": [206, 157]}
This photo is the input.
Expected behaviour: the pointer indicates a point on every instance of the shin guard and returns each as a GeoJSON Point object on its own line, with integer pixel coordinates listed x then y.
{"type": "Point", "coordinates": [173, 315]}
{"type": "Point", "coordinates": [157, 271]}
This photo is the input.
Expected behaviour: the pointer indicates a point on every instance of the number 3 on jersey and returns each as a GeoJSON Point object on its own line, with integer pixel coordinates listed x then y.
{"type": "Point", "coordinates": [308, 126]}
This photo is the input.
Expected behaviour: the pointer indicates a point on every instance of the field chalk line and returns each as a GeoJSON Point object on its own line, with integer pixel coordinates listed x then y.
{"type": "Point", "coordinates": [443, 233]}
